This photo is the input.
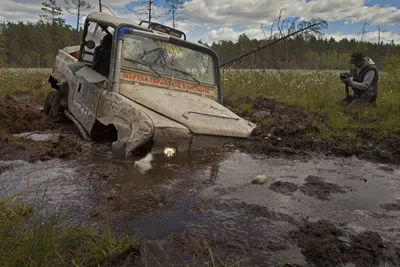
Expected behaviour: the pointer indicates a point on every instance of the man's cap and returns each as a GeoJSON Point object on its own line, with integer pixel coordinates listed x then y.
{"type": "Point", "coordinates": [356, 56]}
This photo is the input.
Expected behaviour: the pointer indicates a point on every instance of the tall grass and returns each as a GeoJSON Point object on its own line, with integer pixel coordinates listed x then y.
{"type": "Point", "coordinates": [34, 81]}
{"type": "Point", "coordinates": [318, 91]}
{"type": "Point", "coordinates": [29, 239]}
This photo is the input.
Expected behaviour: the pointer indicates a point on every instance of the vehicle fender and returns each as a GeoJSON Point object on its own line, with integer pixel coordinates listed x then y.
{"type": "Point", "coordinates": [134, 127]}
{"type": "Point", "coordinates": [56, 78]}
{"type": "Point", "coordinates": [123, 127]}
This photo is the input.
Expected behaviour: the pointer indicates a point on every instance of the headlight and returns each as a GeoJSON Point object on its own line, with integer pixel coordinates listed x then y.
{"type": "Point", "coordinates": [169, 151]}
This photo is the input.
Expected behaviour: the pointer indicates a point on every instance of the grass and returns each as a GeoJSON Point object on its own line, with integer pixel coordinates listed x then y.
{"type": "Point", "coordinates": [29, 239]}
{"type": "Point", "coordinates": [319, 91]}
{"type": "Point", "coordinates": [15, 81]}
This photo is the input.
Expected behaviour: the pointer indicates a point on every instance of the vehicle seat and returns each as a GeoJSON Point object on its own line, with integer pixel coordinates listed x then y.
{"type": "Point", "coordinates": [102, 56]}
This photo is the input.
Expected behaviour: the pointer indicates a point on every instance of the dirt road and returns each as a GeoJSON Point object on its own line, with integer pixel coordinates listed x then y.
{"type": "Point", "coordinates": [313, 210]}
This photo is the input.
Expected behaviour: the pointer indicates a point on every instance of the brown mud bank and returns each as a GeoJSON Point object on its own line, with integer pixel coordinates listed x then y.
{"type": "Point", "coordinates": [20, 119]}
{"type": "Point", "coordinates": [284, 129]}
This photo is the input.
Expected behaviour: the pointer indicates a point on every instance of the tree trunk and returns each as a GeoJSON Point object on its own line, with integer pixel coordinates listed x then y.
{"type": "Point", "coordinates": [173, 18]}
{"type": "Point", "coordinates": [77, 18]}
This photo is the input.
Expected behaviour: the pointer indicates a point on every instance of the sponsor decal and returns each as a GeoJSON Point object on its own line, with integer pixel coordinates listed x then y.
{"type": "Point", "coordinates": [168, 83]}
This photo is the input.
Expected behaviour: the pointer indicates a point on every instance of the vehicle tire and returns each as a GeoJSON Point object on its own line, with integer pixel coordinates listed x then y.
{"type": "Point", "coordinates": [48, 102]}
{"type": "Point", "coordinates": [52, 107]}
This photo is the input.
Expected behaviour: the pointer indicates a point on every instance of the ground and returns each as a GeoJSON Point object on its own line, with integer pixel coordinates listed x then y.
{"type": "Point", "coordinates": [327, 200]}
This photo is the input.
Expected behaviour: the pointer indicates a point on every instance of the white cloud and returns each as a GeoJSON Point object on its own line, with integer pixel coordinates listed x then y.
{"type": "Point", "coordinates": [19, 11]}
{"type": "Point", "coordinates": [230, 34]}
{"type": "Point", "coordinates": [221, 17]}
{"type": "Point", "coordinates": [255, 12]}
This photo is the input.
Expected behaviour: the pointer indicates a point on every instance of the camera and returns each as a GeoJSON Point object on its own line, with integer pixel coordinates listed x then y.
{"type": "Point", "coordinates": [344, 75]}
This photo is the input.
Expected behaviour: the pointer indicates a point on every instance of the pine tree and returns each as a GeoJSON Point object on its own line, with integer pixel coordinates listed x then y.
{"type": "Point", "coordinates": [76, 7]}
{"type": "Point", "coordinates": [173, 8]}
{"type": "Point", "coordinates": [148, 9]}
{"type": "Point", "coordinates": [53, 11]}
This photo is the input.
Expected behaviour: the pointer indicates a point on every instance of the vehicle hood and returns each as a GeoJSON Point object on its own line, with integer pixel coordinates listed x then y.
{"type": "Point", "coordinates": [201, 115]}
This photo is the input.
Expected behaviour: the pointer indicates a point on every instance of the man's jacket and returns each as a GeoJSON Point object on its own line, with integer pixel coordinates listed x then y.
{"type": "Point", "coordinates": [365, 81]}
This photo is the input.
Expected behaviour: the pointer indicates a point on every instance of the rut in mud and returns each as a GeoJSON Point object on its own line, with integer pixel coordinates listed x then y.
{"type": "Point", "coordinates": [284, 129]}
{"type": "Point", "coordinates": [21, 115]}
{"type": "Point", "coordinates": [323, 244]}
{"type": "Point", "coordinates": [17, 116]}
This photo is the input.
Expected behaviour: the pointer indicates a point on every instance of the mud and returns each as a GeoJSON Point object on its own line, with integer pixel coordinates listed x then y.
{"type": "Point", "coordinates": [63, 148]}
{"type": "Point", "coordinates": [286, 188]}
{"type": "Point", "coordinates": [27, 134]}
{"type": "Point", "coordinates": [5, 168]}
{"type": "Point", "coordinates": [289, 130]}
{"type": "Point", "coordinates": [323, 244]}
{"type": "Point", "coordinates": [313, 210]}
{"type": "Point", "coordinates": [392, 206]}
{"type": "Point", "coordinates": [318, 188]}
{"type": "Point", "coordinates": [24, 115]}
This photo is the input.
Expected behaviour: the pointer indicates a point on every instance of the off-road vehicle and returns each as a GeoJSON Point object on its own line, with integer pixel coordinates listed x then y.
{"type": "Point", "coordinates": [144, 88]}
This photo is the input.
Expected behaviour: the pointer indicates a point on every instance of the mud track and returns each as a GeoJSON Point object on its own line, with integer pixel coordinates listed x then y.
{"type": "Point", "coordinates": [24, 115]}
{"type": "Point", "coordinates": [314, 210]}
{"type": "Point", "coordinates": [288, 130]}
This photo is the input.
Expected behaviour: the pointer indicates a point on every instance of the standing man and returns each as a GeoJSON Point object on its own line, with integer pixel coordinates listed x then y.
{"type": "Point", "coordinates": [363, 81]}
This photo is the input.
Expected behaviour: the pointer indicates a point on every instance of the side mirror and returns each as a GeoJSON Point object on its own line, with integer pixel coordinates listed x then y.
{"type": "Point", "coordinates": [90, 44]}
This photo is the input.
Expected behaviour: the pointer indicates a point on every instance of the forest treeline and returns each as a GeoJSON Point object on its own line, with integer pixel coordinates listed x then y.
{"type": "Point", "coordinates": [34, 45]}
{"type": "Point", "coordinates": [301, 53]}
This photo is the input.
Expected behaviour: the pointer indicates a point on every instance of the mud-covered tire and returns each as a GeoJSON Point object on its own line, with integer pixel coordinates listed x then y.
{"type": "Point", "coordinates": [52, 107]}
{"type": "Point", "coordinates": [48, 102]}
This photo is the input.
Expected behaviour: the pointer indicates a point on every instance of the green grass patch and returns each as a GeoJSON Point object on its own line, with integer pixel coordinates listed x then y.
{"type": "Point", "coordinates": [32, 81]}
{"type": "Point", "coordinates": [318, 91]}
{"type": "Point", "coordinates": [28, 239]}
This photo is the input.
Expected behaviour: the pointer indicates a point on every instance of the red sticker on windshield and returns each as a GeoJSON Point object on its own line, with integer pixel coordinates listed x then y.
{"type": "Point", "coordinates": [166, 83]}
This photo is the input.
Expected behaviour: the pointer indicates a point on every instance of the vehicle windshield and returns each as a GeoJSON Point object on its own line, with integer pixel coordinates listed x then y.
{"type": "Point", "coordinates": [165, 59]}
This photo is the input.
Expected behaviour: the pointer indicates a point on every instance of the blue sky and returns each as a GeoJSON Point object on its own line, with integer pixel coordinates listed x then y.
{"type": "Point", "coordinates": [214, 20]}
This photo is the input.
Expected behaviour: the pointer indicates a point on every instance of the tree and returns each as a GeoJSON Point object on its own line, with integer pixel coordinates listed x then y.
{"type": "Point", "coordinates": [53, 11]}
{"type": "Point", "coordinates": [148, 9]}
{"type": "Point", "coordinates": [76, 7]}
{"type": "Point", "coordinates": [380, 30]}
{"type": "Point", "coordinates": [172, 8]}
{"type": "Point", "coordinates": [364, 30]}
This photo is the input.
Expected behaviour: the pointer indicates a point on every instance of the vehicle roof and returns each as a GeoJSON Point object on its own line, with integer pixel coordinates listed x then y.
{"type": "Point", "coordinates": [116, 22]}
{"type": "Point", "coordinates": [111, 20]}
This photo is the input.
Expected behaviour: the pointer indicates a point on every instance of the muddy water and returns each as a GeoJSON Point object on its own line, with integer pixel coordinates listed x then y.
{"type": "Point", "coordinates": [207, 200]}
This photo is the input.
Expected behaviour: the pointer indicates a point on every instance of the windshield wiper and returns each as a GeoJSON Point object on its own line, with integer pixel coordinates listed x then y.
{"type": "Point", "coordinates": [146, 65]}
{"type": "Point", "coordinates": [186, 73]}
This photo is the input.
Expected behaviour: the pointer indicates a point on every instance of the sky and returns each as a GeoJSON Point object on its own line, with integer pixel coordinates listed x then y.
{"type": "Point", "coordinates": [215, 20]}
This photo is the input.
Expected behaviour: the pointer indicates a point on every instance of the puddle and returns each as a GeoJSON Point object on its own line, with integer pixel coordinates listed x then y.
{"type": "Point", "coordinates": [210, 201]}
{"type": "Point", "coordinates": [38, 136]}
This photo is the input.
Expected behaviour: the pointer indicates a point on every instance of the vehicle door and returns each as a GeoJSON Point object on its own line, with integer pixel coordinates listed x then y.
{"type": "Point", "coordinates": [89, 83]}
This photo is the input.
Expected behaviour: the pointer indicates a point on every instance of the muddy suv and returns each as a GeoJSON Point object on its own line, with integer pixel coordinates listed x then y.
{"type": "Point", "coordinates": [145, 89]}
